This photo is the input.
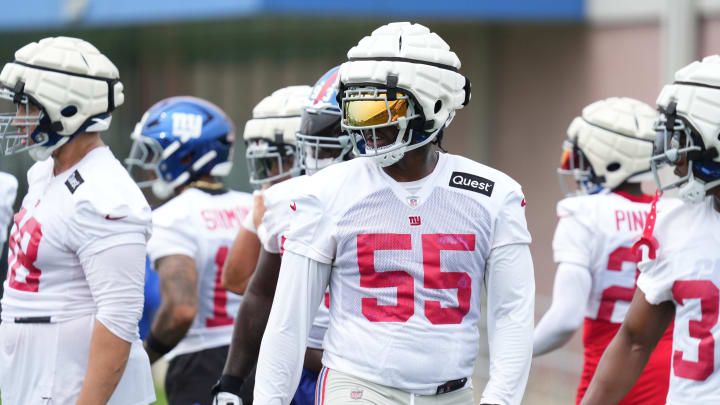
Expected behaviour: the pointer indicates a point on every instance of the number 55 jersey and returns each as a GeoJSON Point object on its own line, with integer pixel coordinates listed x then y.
{"type": "Point", "coordinates": [687, 273]}
{"type": "Point", "coordinates": [408, 265]}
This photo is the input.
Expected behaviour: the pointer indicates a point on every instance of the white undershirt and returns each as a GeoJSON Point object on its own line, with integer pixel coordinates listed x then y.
{"type": "Point", "coordinates": [302, 282]}
{"type": "Point", "coordinates": [116, 278]}
{"type": "Point", "coordinates": [570, 296]}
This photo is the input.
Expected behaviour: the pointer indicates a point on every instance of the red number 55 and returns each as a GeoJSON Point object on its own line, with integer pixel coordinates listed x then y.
{"type": "Point", "coordinates": [434, 277]}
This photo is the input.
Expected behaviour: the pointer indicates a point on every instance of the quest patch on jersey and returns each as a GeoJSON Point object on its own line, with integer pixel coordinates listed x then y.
{"type": "Point", "coordinates": [471, 182]}
{"type": "Point", "coordinates": [74, 181]}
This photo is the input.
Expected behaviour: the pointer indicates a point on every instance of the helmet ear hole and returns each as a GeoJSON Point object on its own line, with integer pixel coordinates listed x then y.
{"type": "Point", "coordinates": [438, 106]}
{"type": "Point", "coordinates": [187, 159]}
{"type": "Point", "coordinates": [612, 167]}
{"type": "Point", "coordinates": [69, 111]}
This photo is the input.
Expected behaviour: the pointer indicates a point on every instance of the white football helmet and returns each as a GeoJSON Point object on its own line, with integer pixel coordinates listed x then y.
{"type": "Point", "coordinates": [405, 76]}
{"type": "Point", "coordinates": [689, 125]}
{"type": "Point", "coordinates": [72, 84]}
{"type": "Point", "coordinates": [610, 143]}
{"type": "Point", "coordinates": [270, 135]}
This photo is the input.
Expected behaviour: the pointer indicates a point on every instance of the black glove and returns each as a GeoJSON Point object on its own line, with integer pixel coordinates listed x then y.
{"type": "Point", "coordinates": [236, 386]}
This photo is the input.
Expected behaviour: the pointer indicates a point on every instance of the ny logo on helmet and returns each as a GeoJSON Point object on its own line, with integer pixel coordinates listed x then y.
{"type": "Point", "coordinates": [187, 126]}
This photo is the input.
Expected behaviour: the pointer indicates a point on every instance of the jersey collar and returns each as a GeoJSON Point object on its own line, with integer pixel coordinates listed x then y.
{"type": "Point", "coordinates": [635, 198]}
{"type": "Point", "coordinates": [429, 183]}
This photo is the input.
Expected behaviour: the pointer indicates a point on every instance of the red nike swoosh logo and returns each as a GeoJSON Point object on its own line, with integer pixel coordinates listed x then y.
{"type": "Point", "coordinates": [109, 218]}
{"type": "Point", "coordinates": [293, 206]}
{"type": "Point", "coordinates": [523, 203]}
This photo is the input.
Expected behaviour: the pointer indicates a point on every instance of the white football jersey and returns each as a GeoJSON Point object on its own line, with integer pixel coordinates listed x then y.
{"type": "Point", "coordinates": [90, 207]}
{"type": "Point", "coordinates": [407, 269]}
{"type": "Point", "coordinates": [202, 225]}
{"type": "Point", "coordinates": [687, 272]}
{"type": "Point", "coordinates": [8, 191]}
{"type": "Point", "coordinates": [597, 232]}
{"type": "Point", "coordinates": [82, 211]}
{"type": "Point", "coordinates": [279, 203]}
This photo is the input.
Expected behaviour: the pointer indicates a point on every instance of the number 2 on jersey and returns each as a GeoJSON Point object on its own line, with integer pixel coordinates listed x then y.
{"type": "Point", "coordinates": [434, 278]}
{"type": "Point", "coordinates": [610, 295]}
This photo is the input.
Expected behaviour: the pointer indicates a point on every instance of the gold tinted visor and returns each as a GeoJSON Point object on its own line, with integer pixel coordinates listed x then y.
{"type": "Point", "coordinates": [377, 110]}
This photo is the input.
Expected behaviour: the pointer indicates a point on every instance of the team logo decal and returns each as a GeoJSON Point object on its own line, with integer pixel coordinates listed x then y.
{"type": "Point", "coordinates": [187, 126]}
{"type": "Point", "coordinates": [471, 182]}
{"type": "Point", "coordinates": [415, 221]}
{"type": "Point", "coordinates": [74, 181]}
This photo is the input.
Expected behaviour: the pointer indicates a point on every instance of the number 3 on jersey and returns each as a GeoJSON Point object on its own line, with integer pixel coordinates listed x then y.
{"type": "Point", "coordinates": [709, 297]}
{"type": "Point", "coordinates": [434, 277]}
{"type": "Point", "coordinates": [22, 253]}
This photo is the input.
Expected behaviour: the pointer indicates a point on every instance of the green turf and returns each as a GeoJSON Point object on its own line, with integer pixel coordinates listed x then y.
{"type": "Point", "coordinates": [160, 394]}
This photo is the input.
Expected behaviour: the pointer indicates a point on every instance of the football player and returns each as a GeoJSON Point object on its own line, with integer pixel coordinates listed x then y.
{"type": "Point", "coordinates": [187, 143]}
{"type": "Point", "coordinates": [270, 141]}
{"type": "Point", "coordinates": [320, 143]}
{"type": "Point", "coordinates": [405, 236]}
{"type": "Point", "coordinates": [74, 291]}
{"type": "Point", "coordinates": [608, 148]}
{"type": "Point", "coordinates": [680, 270]}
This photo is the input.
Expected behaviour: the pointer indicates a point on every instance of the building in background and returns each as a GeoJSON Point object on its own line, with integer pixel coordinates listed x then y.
{"type": "Point", "coordinates": [533, 64]}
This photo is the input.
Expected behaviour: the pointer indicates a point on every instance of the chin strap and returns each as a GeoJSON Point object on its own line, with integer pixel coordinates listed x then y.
{"type": "Point", "coordinates": [647, 238]}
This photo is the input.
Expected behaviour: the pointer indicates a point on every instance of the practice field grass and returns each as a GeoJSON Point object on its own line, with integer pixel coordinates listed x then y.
{"type": "Point", "coordinates": [159, 394]}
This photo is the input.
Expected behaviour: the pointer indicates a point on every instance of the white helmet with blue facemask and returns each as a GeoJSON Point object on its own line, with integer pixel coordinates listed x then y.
{"type": "Point", "coordinates": [402, 76]}
{"type": "Point", "coordinates": [689, 126]}
{"type": "Point", "coordinates": [60, 87]}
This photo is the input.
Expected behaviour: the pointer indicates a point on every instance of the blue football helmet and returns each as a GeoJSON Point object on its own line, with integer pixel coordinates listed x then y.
{"type": "Point", "coordinates": [177, 140]}
{"type": "Point", "coordinates": [320, 141]}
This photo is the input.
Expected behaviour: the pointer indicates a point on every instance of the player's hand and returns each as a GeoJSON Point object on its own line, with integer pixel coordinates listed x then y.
{"type": "Point", "coordinates": [226, 398]}
{"type": "Point", "coordinates": [258, 208]}
{"type": "Point", "coordinates": [231, 390]}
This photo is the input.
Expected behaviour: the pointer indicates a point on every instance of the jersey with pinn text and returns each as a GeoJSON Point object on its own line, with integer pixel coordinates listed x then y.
{"type": "Point", "coordinates": [596, 232]}
{"type": "Point", "coordinates": [202, 225]}
{"type": "Point", "coordinates": [407, 269]}
{"type": "Point", "coordinates": [279, 204]}
{"type": "Point", "coordinates": [687, 273]}
{"type": "Point", "coordinates": [86, 209]}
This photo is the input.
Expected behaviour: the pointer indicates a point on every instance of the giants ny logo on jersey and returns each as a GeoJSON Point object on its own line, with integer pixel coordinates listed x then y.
{"type": "Point", "coordinates": [187, 126]}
